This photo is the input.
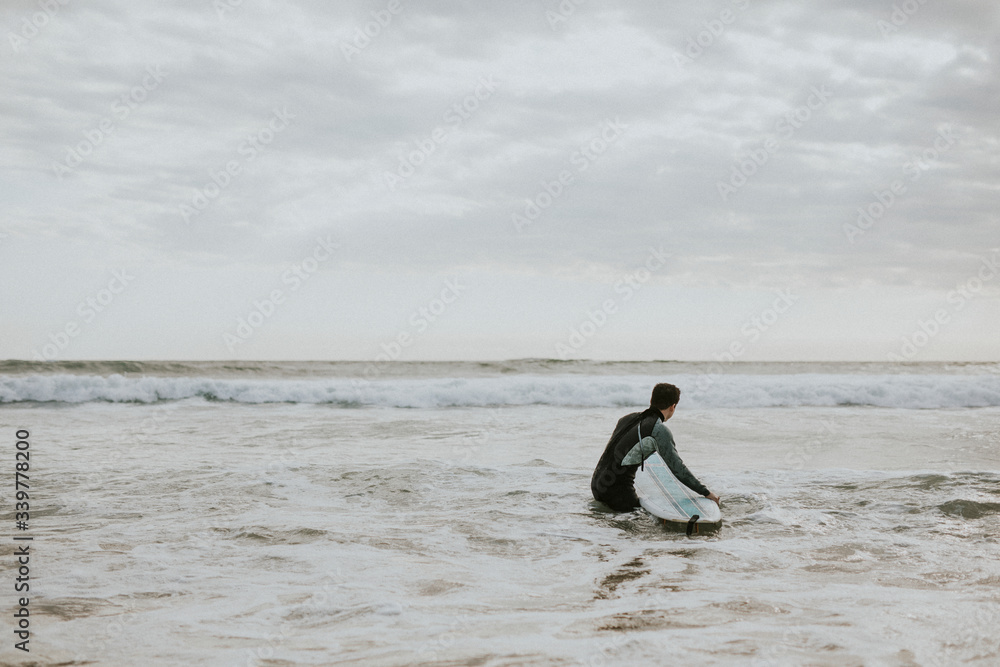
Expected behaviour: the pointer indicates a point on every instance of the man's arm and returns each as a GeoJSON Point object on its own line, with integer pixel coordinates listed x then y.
{"type": "Point", "coordinates": [668, 452]}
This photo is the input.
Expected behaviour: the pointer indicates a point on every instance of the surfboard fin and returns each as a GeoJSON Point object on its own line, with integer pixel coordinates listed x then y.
{"type": "Point", "coordinates": [693, 524]}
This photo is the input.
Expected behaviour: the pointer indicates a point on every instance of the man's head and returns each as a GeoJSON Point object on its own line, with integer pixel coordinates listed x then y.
{"type": "Point", "coordinates": [664, 397]}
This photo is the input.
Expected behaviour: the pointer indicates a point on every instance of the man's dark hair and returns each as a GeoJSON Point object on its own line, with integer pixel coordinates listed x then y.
{"type": "Point", "coordinates": [664, 395]}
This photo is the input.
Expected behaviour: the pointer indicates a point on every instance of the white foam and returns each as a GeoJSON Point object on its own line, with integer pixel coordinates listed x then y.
{"type": "Point", "coordinates": [699, 390]}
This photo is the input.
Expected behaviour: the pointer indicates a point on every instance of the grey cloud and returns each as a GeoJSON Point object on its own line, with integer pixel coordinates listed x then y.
{"type": "Point", "coordinates": [688, 126]}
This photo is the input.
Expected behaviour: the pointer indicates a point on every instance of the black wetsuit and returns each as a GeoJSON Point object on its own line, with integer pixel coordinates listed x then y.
{"type": "Point", "coordinates": [613, 481]}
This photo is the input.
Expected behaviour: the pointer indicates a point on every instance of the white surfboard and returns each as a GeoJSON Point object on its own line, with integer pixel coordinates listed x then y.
{"type": "Point", "coordinates": [664, 496]}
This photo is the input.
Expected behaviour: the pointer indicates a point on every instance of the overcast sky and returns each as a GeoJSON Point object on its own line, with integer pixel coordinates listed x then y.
{"type": "Point", "coordinates": [435, 180]}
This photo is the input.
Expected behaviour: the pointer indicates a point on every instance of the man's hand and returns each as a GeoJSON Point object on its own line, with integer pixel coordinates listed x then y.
{"type": "Point", "coordinates": [712, 496]}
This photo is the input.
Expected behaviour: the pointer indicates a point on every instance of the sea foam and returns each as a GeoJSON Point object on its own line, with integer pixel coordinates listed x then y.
{"type": "Point", "coordinates": [699, 390]}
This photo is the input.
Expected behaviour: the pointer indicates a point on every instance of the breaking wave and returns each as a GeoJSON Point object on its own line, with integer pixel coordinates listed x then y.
{"type": "Point", "coordinates": [699, 390]}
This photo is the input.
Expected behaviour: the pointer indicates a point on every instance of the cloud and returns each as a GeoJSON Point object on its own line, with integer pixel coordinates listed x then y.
{"type": "Point", "coordinates": [375, 93]}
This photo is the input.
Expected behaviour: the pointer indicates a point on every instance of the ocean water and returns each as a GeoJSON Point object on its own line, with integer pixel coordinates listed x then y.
{"type": "Point", "coordinates": [440, 513]}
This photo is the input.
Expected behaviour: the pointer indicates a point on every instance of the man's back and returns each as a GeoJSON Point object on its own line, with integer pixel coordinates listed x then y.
{"type": "Point", "coordinates": [636, 436]}
{"type": "Point", "coordinates": [612, 482]}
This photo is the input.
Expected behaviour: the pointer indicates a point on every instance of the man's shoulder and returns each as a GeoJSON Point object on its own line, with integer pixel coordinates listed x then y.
{"type": "Point", "coordinates": [627, 417]}
{"type": "Point", "coordinates": [660, 426]}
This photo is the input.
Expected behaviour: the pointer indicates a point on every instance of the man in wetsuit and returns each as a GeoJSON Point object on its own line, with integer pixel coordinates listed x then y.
{"type": "Point", "coordinates": [636, 436]}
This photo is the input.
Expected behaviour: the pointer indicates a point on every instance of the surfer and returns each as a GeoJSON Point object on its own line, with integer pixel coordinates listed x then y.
{"type": "Point", "coordinates": [636, 436]}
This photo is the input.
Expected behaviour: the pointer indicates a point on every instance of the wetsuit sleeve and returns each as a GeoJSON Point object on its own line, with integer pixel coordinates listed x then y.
{"type": "Point", "coordinates": [668, 452]}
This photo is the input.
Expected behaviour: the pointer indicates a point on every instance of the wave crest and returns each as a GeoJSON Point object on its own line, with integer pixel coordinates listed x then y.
{"type": "Point", "coordinates": [699, 390]}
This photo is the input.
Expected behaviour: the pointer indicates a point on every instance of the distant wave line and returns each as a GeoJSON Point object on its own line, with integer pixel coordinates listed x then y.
{"type": "Point", "coordinates": [570, 390]}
